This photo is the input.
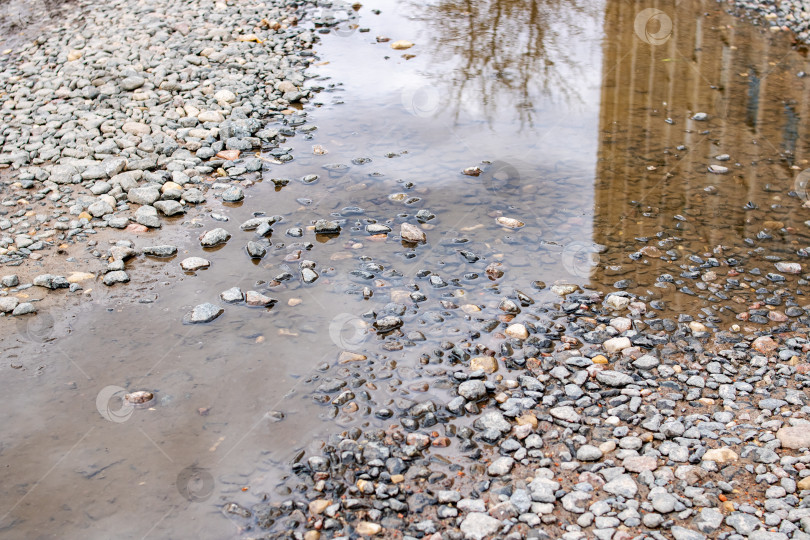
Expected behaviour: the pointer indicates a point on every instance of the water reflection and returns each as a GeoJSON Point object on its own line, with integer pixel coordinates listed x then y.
{"type": "Point", "coordinates": [495, 55]}
{"type": "Point", "coordinates": [652, 184]}
{"type": "Point", "coordinates": [216, 384]}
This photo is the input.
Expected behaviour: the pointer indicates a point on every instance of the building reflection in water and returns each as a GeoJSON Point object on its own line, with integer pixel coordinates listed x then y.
{"type": "Point", "coordinates": [652, 171]}
{"type": "Point", "coordinates": [655, 93]}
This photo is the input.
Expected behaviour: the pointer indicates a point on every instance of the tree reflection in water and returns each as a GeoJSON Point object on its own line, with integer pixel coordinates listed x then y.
{"type": "Point", "coordinates": [494, 55]}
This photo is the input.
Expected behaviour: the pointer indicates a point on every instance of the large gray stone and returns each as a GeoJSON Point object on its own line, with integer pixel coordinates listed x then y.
{"type": "Point", "coordinates": [169, 208]}
{"type": "Point", "coordinates": [147, 216]}
{"type": "Point", "coordinates": [613, 378]}
{"type": "Point", "coordinates": [501, 466]}
{"type": "Point", "coordinates": [477, 526]}
{"type": "Point", "coordinates": [566, 413]}
{"type": "Point", "coordinates": [50, 281]}
{"type": "Point", "coordinates": [794, 437]}
{"type": "Point", "coordinates": [743, 523]}
{"type": "Point", "coordinates": [204, 313]}
{"type": "Point", "coordinates": [472, 390]}
{"type": "Point", "coordinates": [681, 533]}
{"type": "Point", "coordinates": [708, 520]}
{"type": "Point", "coordinates": [622, 485]}
{"type": "Point", "coordinates": [118, 276]}
{"type": "Point", "coordinates": [214, 237]}
{"type": "Point", "coordinates": [143, 195]}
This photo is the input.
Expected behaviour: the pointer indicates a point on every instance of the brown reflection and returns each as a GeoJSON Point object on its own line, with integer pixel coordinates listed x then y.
{"type": "Point", "coordinates": [510, 52]}
{"type": "Point", "coordinates": [653, 156]}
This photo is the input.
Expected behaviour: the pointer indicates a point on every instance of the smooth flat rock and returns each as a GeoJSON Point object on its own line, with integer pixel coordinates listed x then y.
{"type": "Point", "coordinates": [204, 313]}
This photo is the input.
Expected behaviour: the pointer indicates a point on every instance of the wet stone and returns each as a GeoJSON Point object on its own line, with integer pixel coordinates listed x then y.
{"type": "Point", "coordinates": [386, 324]}
{"type": "Point", "coordinates": [309, 275]}
{"type": "Point", "coordinates": [233, 194]}
{"type": "Point", "coordinates": [194, 263]}
{"type": "Point", "coordinates": [323, 226]}
{"type": "Point", "coordinates": [492, 420]}
{"type": "Point", "coordinates": [487, 364]}
{"type": "Point", "coordinates": [232, 295]}
{"type": "Point", "coordinates": [169, 208]}
{"type": "Point", "coordinates": [255, 250]}
{"type": "Point", "coordinates": [472, 390]}
{"type": "Point", "coordinates": [160, 251]}
{"type": "Point", "coordinates": [412, 233]}
{"type": "Point", "coordinates": [204, 313]}
{"type": "Point", "coordinates": [148, 217]}
{"type": "Point", "coordinates": [377, 229]}
{"type": "Point", "coordinates": [50, 281]}
{"type": "Point", "coordinates": [118, 276]}
{"type": "Point", "coordinates": [253, 298]}
{"type": "Point", "coordinates": [214, 237]}
{"type": "Point", "coordinates": [193, 196]}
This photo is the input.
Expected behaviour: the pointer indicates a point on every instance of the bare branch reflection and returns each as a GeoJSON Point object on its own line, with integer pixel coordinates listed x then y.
{"type": "Point", "coordinates": [496, 54]}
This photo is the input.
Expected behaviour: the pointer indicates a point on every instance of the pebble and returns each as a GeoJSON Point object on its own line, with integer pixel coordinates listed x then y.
{"type": "Point", "coordinates": [214, 237]}
{"type": "Point", "coordinates": [794, 437]}
{"type": "Point", "coordinates": [323, 226]}
{"type": "Point", "coordinates": [615, 345]}
{"type": "Point", "coordinates": [623, 485]}
{"type": "Point", "coordinates": [589, 452]}
{"type": "Point", "coordinates": [232, 295]}
{"type": "Point", "coordinates": [118, 276]}
{"type": "Point", "coordinates": [24, 308]}
{"type": "Point", "coordinates": [477, 526]}
{"type": "Point", "coordinates": [204, 313]}
{"type": "Point", "coordinates": [255, 250]}
{"type": "Point", "coordinates": [720, 455]}
{"type": "Point", "coordinates": [160, 251]}
{"type": "Point", "coordinates": [472, 390]}
{"type": "Point", "coordinates": [566, 413]}
{"type": "Point", "coordinates": [501, 466]}
{"type": "Point", "coordinates": [8, 303]}
{"type": "Point", "coordinates": [194, 263]}
{"type": "Point", "coordinates": [708, 520]}
{"type": "Point", "coordinates": [517, 331]}
{"type": "Point", "coordinates": [50, 281]}
{"type": "Point", "coordinates": [412, 233]}
{"type": "Point", "coordinates": [487, 364]}
{"type": "Point", "coordinates": [366, 528]}
{"type": "Point", "coordinates": [253, 298]}
{"type": "Point", "coordinates": [744, 524]}
{"type": "Point", "coordinates": [614, 378]}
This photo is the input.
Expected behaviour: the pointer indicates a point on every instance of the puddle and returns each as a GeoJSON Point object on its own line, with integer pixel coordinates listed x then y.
{"type": "Point", "coordinates": [22, 20]}
{"type": "Point", "coordinates": [586, 130]}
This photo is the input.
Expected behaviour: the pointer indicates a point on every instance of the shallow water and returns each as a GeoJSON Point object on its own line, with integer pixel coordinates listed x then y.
{"type": "Point", "coordinates": [563, 106]}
